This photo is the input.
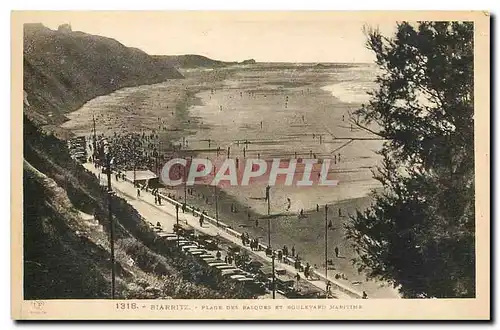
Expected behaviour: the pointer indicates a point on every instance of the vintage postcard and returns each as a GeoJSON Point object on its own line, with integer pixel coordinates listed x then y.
{"type": "Point", "coordinates": [250, 165]}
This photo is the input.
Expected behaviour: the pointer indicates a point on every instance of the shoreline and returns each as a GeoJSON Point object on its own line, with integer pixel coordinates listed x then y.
{"type": "Point", "coordinates": [286, 228]}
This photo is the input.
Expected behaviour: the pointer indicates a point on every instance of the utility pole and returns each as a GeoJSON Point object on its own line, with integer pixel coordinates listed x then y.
{"type": "Point", "coordinates": [177, 219]}
{"type": "Point", "coordinates": [216, 205]}
{"type": "Point", "coordinates": [185, 184]}
{"type": "Point", "coordinates": [326, 245]}
{"type": "Point", "coordinates": [268, 197]}
{"type": "Point", "coordinates": [274, 276]}
{"type": "Point", "coordinates": [135, 160]}
{"type": "Point", "coordinates": [107, 152]}
{"type": "Point", "coordinates": [94, 152]}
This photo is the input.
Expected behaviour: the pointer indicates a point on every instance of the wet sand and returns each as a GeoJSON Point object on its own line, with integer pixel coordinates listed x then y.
{"type": "Point", "coordinates": [227, 106]}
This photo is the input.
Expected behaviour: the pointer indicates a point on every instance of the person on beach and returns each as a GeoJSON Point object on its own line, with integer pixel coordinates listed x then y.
{"type": "Point", "coordinates": [156, 200]}
{"type": "Point", "coordinates": [289, 204]}
{"type": "Point", "coordinates": [317, 207]}
{"type": "Point", "coordinates": [293, 250]}
{"type": "Point", "coordinates": [340, 213]}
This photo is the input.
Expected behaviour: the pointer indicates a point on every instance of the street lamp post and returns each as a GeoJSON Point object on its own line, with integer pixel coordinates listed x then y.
{"type": "Point", "coordinates": [177, 221]}
{"type": "Point", "coordinates": [216, 206]}
{"type": "Point", "coordinates": [268, 197]}
{"type": "Point", "coordinates": [185, 185]}
{"type": "Point", "coordinates": [326, 246]}
{"type": "Point", "coordinates": [107, 153]}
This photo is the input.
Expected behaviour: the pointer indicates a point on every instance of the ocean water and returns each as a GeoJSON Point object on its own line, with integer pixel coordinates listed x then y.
{"type": "Point", "coordinates": [352, 85]}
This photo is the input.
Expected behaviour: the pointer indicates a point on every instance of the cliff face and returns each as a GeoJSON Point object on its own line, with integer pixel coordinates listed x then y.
{"type": "Point", "coordinates": [189, 61]}
{"type": "Point", "coordinates": [64, 69]}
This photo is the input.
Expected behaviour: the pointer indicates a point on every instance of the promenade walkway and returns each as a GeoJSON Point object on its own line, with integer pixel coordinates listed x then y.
{"type": "Point", "coordinates": [165, 214]}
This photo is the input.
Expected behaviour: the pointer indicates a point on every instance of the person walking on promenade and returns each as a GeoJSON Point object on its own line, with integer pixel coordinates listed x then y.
{"type": "Point", "coordinates": [297, 278]}
{"type": "Point", "coordinates": [293, 250]}
{"type": "Point", "coordinates": [159, 199]}
{"type": "Point", "coordinates": [337, 251]}
{"type": "Point", "coordinates": [328, 288]}
{"type": "Point", "coordinates": [138, 193]}
{"type": "Point", "coordinates": [306, 271]}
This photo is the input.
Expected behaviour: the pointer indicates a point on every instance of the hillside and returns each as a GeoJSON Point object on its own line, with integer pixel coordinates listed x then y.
{"type": "Point", "coordinates": [195, 61]}
{"type": "Point", "coordinates": [64, 69]}
{"type": "Point", "coordinates": [65, 224]}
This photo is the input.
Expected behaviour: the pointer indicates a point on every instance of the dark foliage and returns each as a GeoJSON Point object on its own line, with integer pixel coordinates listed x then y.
{"type": "Point", "coordinates": [419, 233]}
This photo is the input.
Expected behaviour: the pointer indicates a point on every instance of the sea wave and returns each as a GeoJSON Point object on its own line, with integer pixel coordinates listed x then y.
{"type": "Point", "coordinates": [351, 91]}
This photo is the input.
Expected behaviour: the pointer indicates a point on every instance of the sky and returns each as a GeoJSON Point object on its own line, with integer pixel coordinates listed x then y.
{"type": "Point", "coordinates": [233, 36]}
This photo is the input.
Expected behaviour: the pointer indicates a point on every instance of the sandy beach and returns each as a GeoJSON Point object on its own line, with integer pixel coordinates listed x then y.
{"type": "Point", "coordinates": [285, 111]}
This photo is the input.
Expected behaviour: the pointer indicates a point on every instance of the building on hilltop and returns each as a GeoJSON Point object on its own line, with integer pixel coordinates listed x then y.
{"type": "Point", "coordinates": [66, 28]}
